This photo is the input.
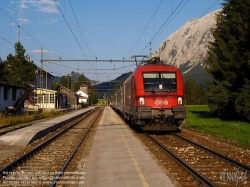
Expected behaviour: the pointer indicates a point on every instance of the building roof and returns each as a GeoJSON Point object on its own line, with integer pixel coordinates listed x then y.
{"type": "Point", "coordinates": [83, 85]}
{"type": "Point", "coordinates": [10, 85]}
{"type": "Point", "coordinates": [81, 91]}
{"type": "Point", "coordinates": [39, 69]}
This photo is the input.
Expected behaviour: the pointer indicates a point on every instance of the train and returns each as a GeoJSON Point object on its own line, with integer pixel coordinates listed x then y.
{"type": "Point", "coordinates": [152, 97]}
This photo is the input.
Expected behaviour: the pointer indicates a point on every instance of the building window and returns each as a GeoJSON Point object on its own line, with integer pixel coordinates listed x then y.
{"type": "Point", "coordinates": [40, 98]}
{"type": "Point", "coordinates": [46, 98]}
{"type": "Point", "coordinates": [13, 94]}
{"type": "Point", "coordinates": [52, 98]}
{"type": "Point", "coordinates": [5, 93]}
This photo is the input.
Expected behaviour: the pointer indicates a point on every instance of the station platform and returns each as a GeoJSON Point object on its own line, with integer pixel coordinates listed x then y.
{"type": "Point", "coordinates": [118, 158]}
{"type": "Point", "coordinates": [26, 135]}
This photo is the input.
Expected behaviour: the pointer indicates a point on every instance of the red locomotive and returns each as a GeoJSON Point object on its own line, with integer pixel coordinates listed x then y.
{"type": "Point", "coordinates": [152, 97]}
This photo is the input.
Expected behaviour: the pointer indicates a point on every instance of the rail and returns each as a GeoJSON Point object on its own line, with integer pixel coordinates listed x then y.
{"type": "Point", "coordinates": [15, 163]}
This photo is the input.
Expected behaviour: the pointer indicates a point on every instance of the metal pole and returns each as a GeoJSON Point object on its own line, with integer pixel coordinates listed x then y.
{"type": "Point", "coordinates": [41, 78]}
{"type": "Point", "coordinates": [46, 94]}
{"type": "Point", "coordinates": [18, 33]}
{"type": "Point", "coordinates": [81, 60]}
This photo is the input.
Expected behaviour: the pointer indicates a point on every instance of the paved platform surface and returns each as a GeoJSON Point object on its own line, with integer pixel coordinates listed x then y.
{"type": "Point", "coordinates": [117, 158]}
{"type": "Point", "coordinates": [26, 135]}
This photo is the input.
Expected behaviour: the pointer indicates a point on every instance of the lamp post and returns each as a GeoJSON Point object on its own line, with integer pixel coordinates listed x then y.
{"type": "Point", "coordinates": [72, 80]}
{"type": "Point", "coordinates": [108, 81]}
{"type": "Point", "coordinates": [69, 75]}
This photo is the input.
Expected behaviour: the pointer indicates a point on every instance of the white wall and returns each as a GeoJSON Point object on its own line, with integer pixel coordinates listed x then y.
{"type": "Point", "coordinates": [81, 93]}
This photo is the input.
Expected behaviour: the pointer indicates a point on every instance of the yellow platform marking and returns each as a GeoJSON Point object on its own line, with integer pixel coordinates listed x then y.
{"type": "Point", "coordinates": [138, 169]}
{"type": "Point", "coordinates": [18, 138]}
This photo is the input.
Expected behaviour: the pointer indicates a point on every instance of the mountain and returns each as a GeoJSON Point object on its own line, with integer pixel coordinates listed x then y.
{"type": "Point", "coordinates": [187, 47]}
{"type": "Point", "coordinates": [108, 87]}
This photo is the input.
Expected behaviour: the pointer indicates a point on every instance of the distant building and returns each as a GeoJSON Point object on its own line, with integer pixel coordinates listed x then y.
{"type": "Point", "coordinates": [43, 79]}
{"type": "Point", "coordinates": [72, 98]}
{"type": "Point", "coordinates": [9, 94]}
{"type": "Point", "coordinates": [83, 94]}
{"type": "Point", "coordinates": [42, 97]}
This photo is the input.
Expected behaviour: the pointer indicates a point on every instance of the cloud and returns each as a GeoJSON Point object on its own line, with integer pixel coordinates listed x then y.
{"type": "Point", "coordinates": [51, 21]}
{"type": "Point", "coordinates": [48, 9]}
{"type": "Point", "coordinates": [23, 6]}
{"type": "Point", "coordinates": [46, 6]}
{"type": "Point", "coordinates": [39, 51]}
{"type": "Point", "coordinates": [23, 21]}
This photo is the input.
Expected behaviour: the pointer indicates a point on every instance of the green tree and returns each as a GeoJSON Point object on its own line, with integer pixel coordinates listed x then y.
{"type": "Point", "coordinates": [228, 61]}
{"type": "Point", "coordinates": [17, 69]}
{"type": "Point", "coordinates": [195, 94]}
{"type": "Point", "coordinates": [116, 88]}
{"type": "Point", "coordinates": [65, 81]}
{"type": "Point", "coordinates": [54, 86]}
{"type": "Point", "coordinates": [91, 90]}
{"type": "Point", "coordinates": [2, 77]}
{"type": "Point", "coordinates": [81, 80]}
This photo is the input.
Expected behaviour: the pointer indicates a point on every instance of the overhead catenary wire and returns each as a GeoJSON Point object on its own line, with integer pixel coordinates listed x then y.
{"type": "Point", "coordinates": [172, 19]}
{"type": "Point", "coordinates": [182, 8]}
{"type": "Point", "coordinates": [75, 68]}
{"type": "Point", "coordinates": [162, 26]}
{"type": "Point", "coordinates": [209, 8]}
{"type": "Point", "coordinates": [81, 30]}
{"type": "Point", "coordinates": [14, 45]}
{"type": "Point", "coordinates": [145, 28]}
{"type": "Point", "coordinates": [73, 34]}
{"type": "Point", "coordinates": [161, 30]}
{"type": "Point", "coordinates": [27, 31]}
{"type": "Point", "coordinates": [179, 12]}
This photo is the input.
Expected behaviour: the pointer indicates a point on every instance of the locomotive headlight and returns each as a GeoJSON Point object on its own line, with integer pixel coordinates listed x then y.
{"type": "Point", "coordinates": [179, 100]}
{"type": "Point", "coordinates": [141, 101]}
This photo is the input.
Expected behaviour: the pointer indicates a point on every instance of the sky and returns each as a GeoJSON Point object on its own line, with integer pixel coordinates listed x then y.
{"type": "Point", "coordinates": [93, 29]}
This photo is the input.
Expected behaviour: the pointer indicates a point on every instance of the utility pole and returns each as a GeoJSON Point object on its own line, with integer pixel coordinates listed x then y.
{"type": "Point", "coordinates": [41, 78]}
{"type": "Point", "coordinates": [150, 51]}
{"type": "Point", "coordinates": [72, 81]}
{"type": "Point", "coordinates": [18, 33]}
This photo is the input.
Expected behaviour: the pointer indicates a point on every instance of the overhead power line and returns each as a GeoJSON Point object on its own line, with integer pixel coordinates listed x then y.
{"type": "Point", "coordinates": [73, 34]}
{"type": "Point", "coordinates": [25, 31]}
{"type": "Point", "coordinates": [14, 45]}
{"type": "Point", "coordinates": [80, 29]}
{"type": "Point", "coordinates": [145, 28]}
{"type": "Point", "coordinates": [162, 25]}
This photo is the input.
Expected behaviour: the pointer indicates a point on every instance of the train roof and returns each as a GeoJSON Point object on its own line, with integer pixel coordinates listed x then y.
{"type": "Point", "coordinates": [153, 68]}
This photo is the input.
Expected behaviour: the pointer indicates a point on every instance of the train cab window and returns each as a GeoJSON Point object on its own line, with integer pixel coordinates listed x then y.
{"type": "Point", "coordinates": [159, 82]}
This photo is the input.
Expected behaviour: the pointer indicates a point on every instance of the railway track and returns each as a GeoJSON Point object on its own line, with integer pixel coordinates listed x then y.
{"type": "Point", "coordinates": [45, 164]}
{"type": "Point", "coordinates": [201, 166]}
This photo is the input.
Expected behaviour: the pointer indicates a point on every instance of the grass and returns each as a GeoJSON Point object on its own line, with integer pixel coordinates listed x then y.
{"type": "Point", "coordinates": [101, 101]}
{"type": "Point", "coordinates": [199, 117]}
{"type": "Point", "coordinates": [18, 119]}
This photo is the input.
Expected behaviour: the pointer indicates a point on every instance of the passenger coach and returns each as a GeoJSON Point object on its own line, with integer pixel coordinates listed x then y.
{"type": "Point", "coordinates": [152, 97]}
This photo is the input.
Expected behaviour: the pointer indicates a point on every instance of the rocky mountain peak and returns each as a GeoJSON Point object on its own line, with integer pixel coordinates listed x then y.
{"type": "Point", "coordinates": [187, 47]}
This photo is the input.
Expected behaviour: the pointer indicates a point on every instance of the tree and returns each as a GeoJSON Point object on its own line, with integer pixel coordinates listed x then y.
{"type": "Point", "coordinates": [228, 61]}
{"type": "Point", "coordinates": [65, 81]}
{"type": "Point", "coordinates": [195, 94]}
{"type": "Point", "coordinates": [18, 70]}
{"type": "Point", "coordinates": [81, 80]}
{"type": "Point", "coordinates": [2, 77]}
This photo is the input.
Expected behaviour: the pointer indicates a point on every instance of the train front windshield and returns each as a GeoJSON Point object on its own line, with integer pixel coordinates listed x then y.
{"type": "Point", "coordinates": [159, 82]}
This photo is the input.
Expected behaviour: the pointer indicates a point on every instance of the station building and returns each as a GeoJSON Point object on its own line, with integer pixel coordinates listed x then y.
{"type": "Point", "coordinates": [9, 94]}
